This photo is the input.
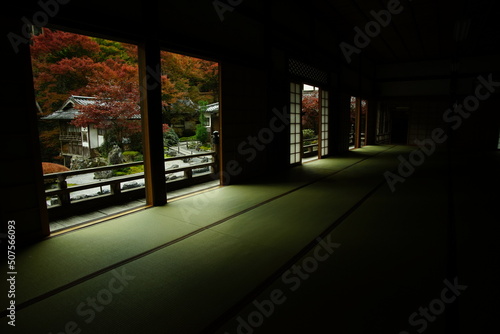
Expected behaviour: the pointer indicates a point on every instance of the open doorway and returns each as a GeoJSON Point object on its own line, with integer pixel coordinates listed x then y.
{"type": "Point", "coordinates": [191, 113]}
{"type": "Point", "coordinates": [363, 123]}
{"type": "Point", "coordinates": [358, 122]}
{"type": "Point", "coordinates": [90, 124]}
{"type": "Point", "coordinates": [89, 121]}
{"type": "Point", "coordinates": [353, 123]}
{"type": "Point", "coordinates": [309, 123]}
{"type": "Point", "coordinates": [310, 120]}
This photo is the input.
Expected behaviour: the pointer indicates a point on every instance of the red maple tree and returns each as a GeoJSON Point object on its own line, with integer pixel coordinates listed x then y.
{"type": "Point", "coordinates": [310, 111]}
{"type": "Point", "coordinates": [62, 63]}
{"type": "Point", "coordinates": [114, 86]}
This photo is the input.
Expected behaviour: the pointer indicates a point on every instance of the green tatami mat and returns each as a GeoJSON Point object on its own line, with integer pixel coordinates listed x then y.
{"type": "Point", "coordinates": [261, 226]}
{"type": "Point", "coordinates": [391, 260]}
{"type": "Point", "coordinates": [178, 289]}
{"type": "Point", "coordinates": [66, 258]}
{"type": "Point", "coordinates": [94, 248]}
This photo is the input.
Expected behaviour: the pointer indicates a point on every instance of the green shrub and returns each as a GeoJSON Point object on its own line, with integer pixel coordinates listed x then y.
{"type": "Point", "coordinates": [136, 169]}
{"type": "Point", "coordinates": [121, 171]}
{"type": "Point", "coordinates": [183, 139]}
{"type": "Point", "coordinates": [131, 153]}
{"type": "Point", "coordinates": [170, 138]}
{"type": "Point", "coordinates": [308, 133]}
{"type": "Point", "coordinates": [139, 157]}
{"type": "Point", "coordinates": [201, 134]}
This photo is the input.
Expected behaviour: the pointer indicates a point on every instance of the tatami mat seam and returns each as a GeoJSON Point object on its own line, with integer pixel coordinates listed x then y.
{"type": "Point", "coordinates": [157, 248]}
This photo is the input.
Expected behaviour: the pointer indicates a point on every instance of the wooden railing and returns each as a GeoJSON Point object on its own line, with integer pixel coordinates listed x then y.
{"type": "Point", "coordinates": [60, 203]}
{"type": "Point", "coordinates": [310, 149]}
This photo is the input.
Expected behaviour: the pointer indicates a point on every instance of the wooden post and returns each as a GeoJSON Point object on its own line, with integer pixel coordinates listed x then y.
{"type": "Point", "coordinates": [63, 185]}
{"type": "Point", "coordinates": [151, 108]}
{"type": "Point", "coordinates": [215, 156]}
{"type": "Point", "coordinates": [116, 188]}
{"type": "Point", "coordinates": [188, 173]}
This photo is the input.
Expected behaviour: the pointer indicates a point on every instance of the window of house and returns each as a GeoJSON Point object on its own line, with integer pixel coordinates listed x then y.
{"type": "Point", "coordinates": [382, 125]}
{"type": "Point", "coordinates": [353, 122]}
{"type": "Point", "coordinates": [84, 82]}
{"type": "Point", "coordinates": [295, 123]}
{"type": "Point", "coordinates": [190, 98]}
{"type": "Point", "coordinates": [325, 123]}
{"type": "Point", "coordinates": [498, 140]}
{"type": "Point", "coordinates": [358, 122]}
{"type": "Point", "coordinates": [363, 122]}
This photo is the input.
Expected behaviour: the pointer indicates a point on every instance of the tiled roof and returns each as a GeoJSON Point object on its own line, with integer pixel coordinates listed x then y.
{"type": "Point", "coordinates": [82, 100]}
{"type": "Point", "coordinates": [213, 108]}
{"type": "Point", "coordinates": [68, 114]}
{"type": "Point", "coordinates": [68, 110]}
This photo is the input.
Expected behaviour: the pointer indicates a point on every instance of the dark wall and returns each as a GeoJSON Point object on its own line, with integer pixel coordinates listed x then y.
{"type": "Point", "coordinates": [21, 168]}
{"type": "Point", "coordinates": [245, 145]}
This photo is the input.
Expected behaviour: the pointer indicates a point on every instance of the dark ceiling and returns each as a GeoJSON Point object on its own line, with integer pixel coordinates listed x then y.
{"type": "Point", "coordinates": [424, 29]}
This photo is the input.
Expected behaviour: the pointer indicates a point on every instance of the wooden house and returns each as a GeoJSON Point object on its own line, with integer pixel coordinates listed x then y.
{"type": "Point", "coordinates": [76, 141]}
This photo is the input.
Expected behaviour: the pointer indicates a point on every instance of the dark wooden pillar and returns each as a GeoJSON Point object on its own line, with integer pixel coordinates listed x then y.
{"type": "Point", "coordinates": [151, 108]}
{"type": "Point", "coordinates": [357, 138]}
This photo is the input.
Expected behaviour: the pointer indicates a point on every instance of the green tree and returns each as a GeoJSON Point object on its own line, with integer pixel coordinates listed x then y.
{"type": "Point", "coordinates": [116, 50]}
{"type": "Point", "coordinates": [170, 138]}
{"type": "Point", "coordinates": [202, 134]}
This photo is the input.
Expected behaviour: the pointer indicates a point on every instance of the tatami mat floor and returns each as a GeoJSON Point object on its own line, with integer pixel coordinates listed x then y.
{"type": "Point", "coordinates": [324, 247]}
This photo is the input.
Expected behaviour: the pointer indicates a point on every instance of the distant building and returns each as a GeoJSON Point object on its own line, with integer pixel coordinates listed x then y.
{"type": "Point", "coordinates": [75, 140]}
{"type": "Point", "coordinates": [212, 117]}
{"type": "Point", "coordinates": [185, 115]}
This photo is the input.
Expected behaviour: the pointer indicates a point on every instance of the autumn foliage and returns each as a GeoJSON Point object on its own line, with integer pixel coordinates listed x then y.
{"type": "Point", "coordinates": [66, 64]}
{"type": "Point", "coordinates": [116, 106]}
{"type": "Point", "coordinates": [310, 111]}
{"type": "Point", "coordinates": [49, 168]}
{"type": "Point", "coordinates": [62, 63]}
